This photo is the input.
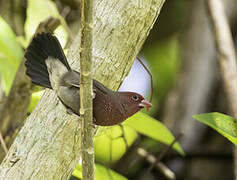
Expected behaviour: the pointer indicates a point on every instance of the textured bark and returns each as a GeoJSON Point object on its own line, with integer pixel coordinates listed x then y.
{"type": "Point", "coordinates": [86, 91]}
{"type": "Point", "coordinates": [15, 107]}
{"type": "Point", "coordinates": [48, 147]}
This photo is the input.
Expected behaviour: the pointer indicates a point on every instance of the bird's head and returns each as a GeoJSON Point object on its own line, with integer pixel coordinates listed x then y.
{"type": "Point", "coordinates": [133, 102]}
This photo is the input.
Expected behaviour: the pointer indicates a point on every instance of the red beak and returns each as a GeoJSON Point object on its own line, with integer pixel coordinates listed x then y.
{"type": "Point", "coordinates": [145, 104]}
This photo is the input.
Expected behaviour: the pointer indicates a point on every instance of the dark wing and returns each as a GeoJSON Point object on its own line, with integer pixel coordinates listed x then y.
{"type": "Point", "coordinates": [71, 78]}
{"type": "Point", "coordinates": [99, 86]}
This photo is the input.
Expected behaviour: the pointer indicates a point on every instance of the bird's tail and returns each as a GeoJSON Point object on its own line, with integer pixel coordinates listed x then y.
{"type": "Point", "coordinates": [42, 47]}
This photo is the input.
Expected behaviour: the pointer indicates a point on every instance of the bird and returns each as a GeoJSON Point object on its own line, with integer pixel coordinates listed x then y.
{"type": "Point", "coordinates": [47, 66]}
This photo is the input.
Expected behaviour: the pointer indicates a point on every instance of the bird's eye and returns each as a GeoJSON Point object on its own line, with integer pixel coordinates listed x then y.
{"type": "Point", "coordinates": [135, 97]}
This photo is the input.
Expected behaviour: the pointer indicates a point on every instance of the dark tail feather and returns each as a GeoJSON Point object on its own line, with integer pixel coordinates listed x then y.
{"type": "Point", "coordinates": [42, 46]}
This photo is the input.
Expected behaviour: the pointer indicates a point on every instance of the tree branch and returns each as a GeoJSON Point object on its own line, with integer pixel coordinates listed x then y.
{"type": "Point", "coordinates": [3, 144]}
{"type": "Point", "coordinates": [14, 13]}
{"type": "Point", "coordinates": [159, 165]}
{"type": "Point", "coordinates": [226, 51]}
{"type": "Point", "coordinates": [48, 146]}
{"type": "Point", "coordinates": [226, 56]}
{"type": "Point", "coordinates": [86, 91]}
{"type": "Point", "coordinates": [15, 107]}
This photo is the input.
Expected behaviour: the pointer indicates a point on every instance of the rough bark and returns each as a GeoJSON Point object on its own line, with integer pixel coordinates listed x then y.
{"type": "Point", "coordinates": [15, 106]}
{"type": "Point", "coordinates": [48, 147]}
{"type": "Point", "coordinates": [86, 91]}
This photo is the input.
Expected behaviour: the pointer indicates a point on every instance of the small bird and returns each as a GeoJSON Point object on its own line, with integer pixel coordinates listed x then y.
{"type": "Point", "coordinates": [47, 66]}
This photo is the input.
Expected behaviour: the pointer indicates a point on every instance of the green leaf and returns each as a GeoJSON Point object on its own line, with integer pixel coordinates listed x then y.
{"type": "Point", "coordinates": [10, 54]}
{"type": "Point", "coordinates": [110, 143]}
{"type": "Point", "coordinates": [224, 124]}
{"type": "Point", "coordinates": [151, 127]}
{"type": "Point", "coordinates": [35, 97]}
{"type": "Point", "coordinates": [101, 173]}
{"type": "Point", "coordinates": [37, 11]}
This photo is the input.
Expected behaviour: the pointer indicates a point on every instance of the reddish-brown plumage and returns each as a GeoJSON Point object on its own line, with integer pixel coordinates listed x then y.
{"type": "Point", "coordinates": [47, 66]}
{"type": "Point", "coordinates": [115, 107]}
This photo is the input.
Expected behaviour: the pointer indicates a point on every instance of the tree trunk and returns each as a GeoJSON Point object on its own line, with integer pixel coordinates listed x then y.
{"type": "Point", "coordinates": [48, 145]}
